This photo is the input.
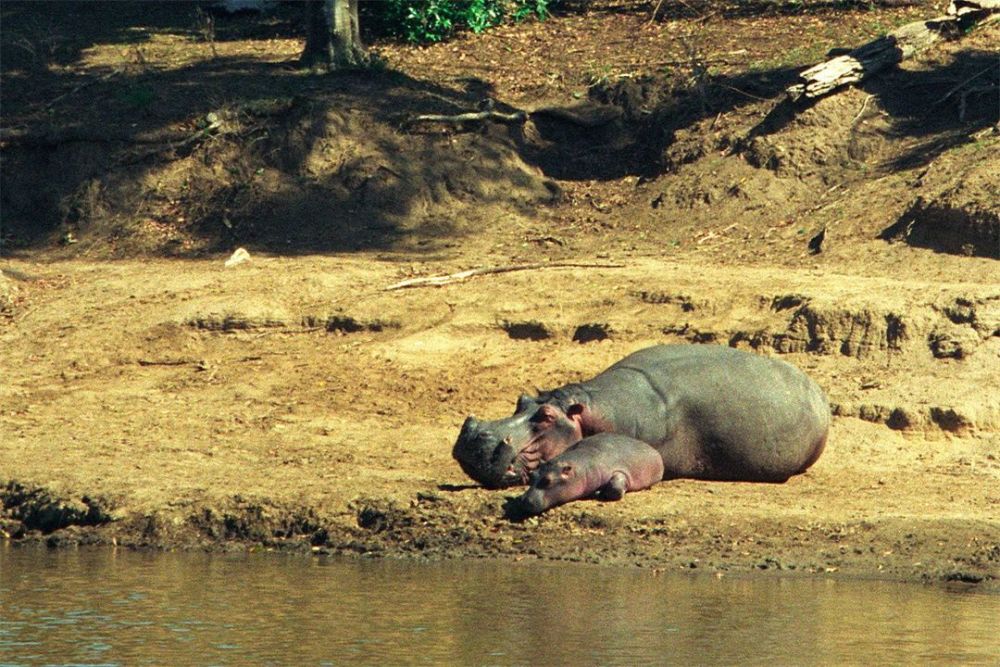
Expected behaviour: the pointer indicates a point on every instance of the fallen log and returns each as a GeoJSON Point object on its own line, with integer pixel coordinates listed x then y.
{"type": "Point", "coordinates": [901, 43]}
{"type": "Point", "coordinates": [965, 6]}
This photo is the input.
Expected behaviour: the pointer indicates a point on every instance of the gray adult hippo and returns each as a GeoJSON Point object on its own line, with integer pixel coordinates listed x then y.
{"type": "Point", "coordinates": [712, 412]}
{"type": "Point", "coordinates": [605, 466]}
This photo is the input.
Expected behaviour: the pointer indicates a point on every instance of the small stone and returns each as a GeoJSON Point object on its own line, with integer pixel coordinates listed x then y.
{"type": "Point", "coordinates": [239, 256]}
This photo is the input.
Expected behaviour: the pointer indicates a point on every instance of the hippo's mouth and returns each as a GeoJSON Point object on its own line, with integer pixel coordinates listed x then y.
{"type": "Point", "coordinates": [497, 461]}
{"type": "Point", "coordinates": [522, 464]}
{"type": "Point", "coordinates": [525, 462]}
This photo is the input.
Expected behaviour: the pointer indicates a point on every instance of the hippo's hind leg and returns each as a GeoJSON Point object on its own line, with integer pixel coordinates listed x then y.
{"type": "Point", "coordinates": [615, 488]}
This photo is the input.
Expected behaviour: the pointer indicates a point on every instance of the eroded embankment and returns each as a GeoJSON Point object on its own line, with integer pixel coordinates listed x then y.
{"type": "Point", "coordinates": [883, 330]}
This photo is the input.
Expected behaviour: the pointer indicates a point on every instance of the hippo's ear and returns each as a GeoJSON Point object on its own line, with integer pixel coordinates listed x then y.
{"type": "Point", "coordinates": [566, 470]}
{"type": "Point", "coordinates": [523, 403]}
{"type": "Point", "coordinates": [580, 413]}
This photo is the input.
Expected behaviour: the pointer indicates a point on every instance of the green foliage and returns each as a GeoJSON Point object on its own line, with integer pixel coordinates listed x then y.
{"type": "Point", "coordinates": [525, 8]}
{"type": "Point", "coordinates": [428, 20]}
{"type": "Point", "coordinates": [483, 14]}
{"type": "Point", "coordinates": [138, 97]}
{"type": "Point", "coordinates": [424, 21]}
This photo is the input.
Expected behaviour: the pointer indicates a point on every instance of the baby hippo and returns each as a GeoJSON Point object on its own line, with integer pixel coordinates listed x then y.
{"type": "Point", "coordinates": [605, 465]}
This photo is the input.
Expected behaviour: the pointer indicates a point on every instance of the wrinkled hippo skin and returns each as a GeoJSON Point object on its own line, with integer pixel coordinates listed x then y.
{"type": "Point", "coordinates": [606, 466]}
{"type": "Point", "coordinates": [712, 412]}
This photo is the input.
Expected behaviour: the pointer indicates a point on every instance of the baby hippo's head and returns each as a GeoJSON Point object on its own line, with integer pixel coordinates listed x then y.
{"type": "Point", "coordinates": [553, 483]}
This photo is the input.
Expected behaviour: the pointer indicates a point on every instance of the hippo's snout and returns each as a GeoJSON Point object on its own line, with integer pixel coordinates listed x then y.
{"type": "Point", "coordinates": [484, 456]}
{"type": "Point", "coordinates": [531, 502]}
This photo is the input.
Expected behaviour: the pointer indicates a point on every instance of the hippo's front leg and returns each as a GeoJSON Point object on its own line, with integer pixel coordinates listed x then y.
{"type": "Point", "coordinates": [615, 488]}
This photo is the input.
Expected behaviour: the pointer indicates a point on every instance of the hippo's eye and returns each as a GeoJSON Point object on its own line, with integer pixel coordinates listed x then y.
{"type": "Point", "coordinates": [543, 418]}
{"type": "Point", "coordinates": [544, 481]}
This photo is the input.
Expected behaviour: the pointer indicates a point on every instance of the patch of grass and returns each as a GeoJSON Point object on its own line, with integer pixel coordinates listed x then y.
{"type": "Point", "coordinates": [598, 73]}
{"type": "Point", "coordinates": [794, 57]}
{"type": "Point", "coordinates": [138, 96]}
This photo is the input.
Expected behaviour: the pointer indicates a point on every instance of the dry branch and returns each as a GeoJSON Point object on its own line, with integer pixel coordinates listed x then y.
{"type": "Point", "coordinates": [55, 136]}
{"type": "Point", "coordinates": [889, 50]}
{"type": "Point", "coordinates": [499, 116]}
{"type": "Point", "coordinates": [81, 86]}
{"type": "Point", "coordinates": [214, 124]}
{"type": "Point", "coordinates": [437, 281]}
{"type": "Point", "coordinates": [167, 362]}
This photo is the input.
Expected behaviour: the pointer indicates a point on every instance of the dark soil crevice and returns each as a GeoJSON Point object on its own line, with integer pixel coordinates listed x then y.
{"type": "Point", "coordinates": [31, 508]}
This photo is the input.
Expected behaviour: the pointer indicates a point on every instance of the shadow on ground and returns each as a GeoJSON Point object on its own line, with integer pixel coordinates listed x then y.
{"type": "Point", "coordinates": [219, 150]}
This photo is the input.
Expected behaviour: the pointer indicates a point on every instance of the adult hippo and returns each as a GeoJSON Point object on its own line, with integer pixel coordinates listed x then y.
{"type": "Point", "coordinates": [712, 412]}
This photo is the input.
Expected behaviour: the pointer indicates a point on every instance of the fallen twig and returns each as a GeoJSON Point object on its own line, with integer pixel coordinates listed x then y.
{"type": "Point", "coordinates": [863, 107]}
{"type": "Point", "coordinates": [699, 15]}
{"type": "Point", "coordinates": [81, 86]}
{"type": "Point", "coordinates": [964, 99]}
{"type": "Point", "coordinates": [961, 85]}
{"type": "Point", "coordinates": [499, 116]}
{"type": "Point", "coordinates": [437, 281]}
{"type": "Point", "coordinates": [55, 136]}
{"type": "Point", "coordinates": [167, 362]}
{"type": "Point", "coordinates": [743, 92]}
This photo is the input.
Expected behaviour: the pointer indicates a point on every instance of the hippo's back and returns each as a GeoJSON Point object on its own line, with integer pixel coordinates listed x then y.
{"type": "Point", "coordinates": [749, 416]}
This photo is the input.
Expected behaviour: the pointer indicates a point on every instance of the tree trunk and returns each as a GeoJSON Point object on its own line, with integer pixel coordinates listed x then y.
{"type": "Point", "coordinates": [333, 38]}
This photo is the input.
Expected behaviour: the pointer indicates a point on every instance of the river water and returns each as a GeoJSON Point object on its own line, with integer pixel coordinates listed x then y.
{"type": "Point", "coordinates": [117, 607]}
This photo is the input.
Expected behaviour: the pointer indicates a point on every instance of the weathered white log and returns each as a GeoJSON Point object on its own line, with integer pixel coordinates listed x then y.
{"type": "Point", "coordinates": [956, 7]}
{"type": "Point", "coordinates": [887, 51]}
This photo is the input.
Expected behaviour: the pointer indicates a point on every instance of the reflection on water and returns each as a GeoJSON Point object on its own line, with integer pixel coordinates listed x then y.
{"type": "Point", "coordinates": [124, 608]}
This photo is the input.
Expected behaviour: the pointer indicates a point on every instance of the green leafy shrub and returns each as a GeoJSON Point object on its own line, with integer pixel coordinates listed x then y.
{"type": "Point", "coordinates": [537, 8]}
{"type": "Point", "coordinates": [483, 14]}
{"type": "Point", "coordinates": [424, 21]}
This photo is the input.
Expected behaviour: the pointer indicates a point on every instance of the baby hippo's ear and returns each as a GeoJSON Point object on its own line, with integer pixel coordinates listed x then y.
{"type": "Point", "coordinates": [566, 471]}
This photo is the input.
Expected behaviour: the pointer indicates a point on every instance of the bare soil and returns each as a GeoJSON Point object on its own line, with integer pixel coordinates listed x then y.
{"type": "Point", "coordinates": [153, 396]}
